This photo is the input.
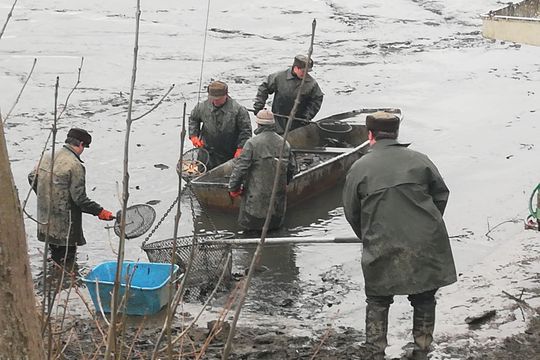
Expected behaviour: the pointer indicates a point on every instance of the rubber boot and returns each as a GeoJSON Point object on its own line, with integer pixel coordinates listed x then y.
{"type": "Point", "coordinates": [376, 330]}
{"type": "Point", "coordinates": [423, 326]}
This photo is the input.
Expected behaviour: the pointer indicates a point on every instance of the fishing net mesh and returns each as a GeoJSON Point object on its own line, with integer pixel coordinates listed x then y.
{"type": "Point", "coordinates": [208, 262]}
{"type": "Point", "coordinates": [139, 218]}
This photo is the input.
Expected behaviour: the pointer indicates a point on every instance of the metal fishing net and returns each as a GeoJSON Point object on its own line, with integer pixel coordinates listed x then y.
{"type": "Point", "coordinates": [208, 262]}
{"type": "Point", "coordinates": [139, 218]}
{"type": "Point", "coordinates": [193, 163]}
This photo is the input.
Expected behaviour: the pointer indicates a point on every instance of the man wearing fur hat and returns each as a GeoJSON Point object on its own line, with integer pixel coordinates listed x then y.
{"type": "Point", "coordinates": [284, 85]}
{"type": "Point", "coordinates": [394, 198]}
{"type": "Point", "coordinates": [253, 176]}
{"type": "Point", "coordinates": [67, 199]}
{"type": "Point", "coordinates": [220, 125]}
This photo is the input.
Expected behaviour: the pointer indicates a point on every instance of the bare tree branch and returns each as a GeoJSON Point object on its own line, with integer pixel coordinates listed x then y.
{"type": "Point", "coordinates": [21, 91]}
{"type": "Point", "coordinates": [73, 89]}
{"type": "Point", "coordinates": [155, 106]}
{"type": "Point", "coordinates": [8, 17]}
{"type": "Point", "coordinates": [258, 250]}
{"type": "Point", "coordinates": [112, 338]}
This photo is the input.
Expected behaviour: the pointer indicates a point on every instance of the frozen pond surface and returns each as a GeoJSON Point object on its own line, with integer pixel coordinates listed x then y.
{"type": "Point", "coordinates": [471, 104]}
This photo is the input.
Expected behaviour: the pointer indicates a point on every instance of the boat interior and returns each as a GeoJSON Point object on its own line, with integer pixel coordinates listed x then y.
{"type": "Point", "coordinates": [315, 143]}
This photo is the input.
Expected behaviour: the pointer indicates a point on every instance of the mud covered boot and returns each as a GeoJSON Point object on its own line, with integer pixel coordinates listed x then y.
{"type": "Point", "coordinates": [376, 330]}
{"type": "Point", "coordinates": [423, 326]}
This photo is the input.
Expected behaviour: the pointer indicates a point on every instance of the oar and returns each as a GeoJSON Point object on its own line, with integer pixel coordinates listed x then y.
{"type": "Point", "coordinates": [287, 240]}
{"type": "Point", "coordinates": [305, 121]}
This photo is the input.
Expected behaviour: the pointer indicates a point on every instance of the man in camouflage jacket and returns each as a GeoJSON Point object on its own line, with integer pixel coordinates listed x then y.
{"type": "Point", "coordinates": [394, 198]}
{"type": "Point", "coordinates": [253, 176]}
{"type": "Point", "coordinates": [67, 199]}
{"type": "Point", "coordinates": [284, 85]}
{"type": "Point", "coordinates": [220, 125]}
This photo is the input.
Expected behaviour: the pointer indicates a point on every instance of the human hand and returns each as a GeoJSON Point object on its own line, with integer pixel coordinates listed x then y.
{"type": "Point", "coordinates": [196, 141]}
{"type": "Point", "coordinates": [236, 193]}
{"type": "Point", "coordinates": [105, 215]}
{"type": "Point", "coordinates": [237, 152]}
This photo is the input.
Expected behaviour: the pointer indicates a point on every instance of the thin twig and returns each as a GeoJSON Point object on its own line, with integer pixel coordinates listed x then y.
{"type": "Point", "coordinates": [73, 89]}
{"type": "Point", "coordinates": [111, 339]}
{"type": "Point", "coordinates": [155, 106]}
{"type": "Point", "coordinates": [258, 251]}
{"type": "Point", "coordinates": [490, 229]}
{"type": "Point", "coordinates": [21, 91]}
{"type": "Point", "coordinates": [203, 308]}
{"type": "Point", "coordinates": [8, 17]}
{"type": "Point", "coordinates": [324, 337]}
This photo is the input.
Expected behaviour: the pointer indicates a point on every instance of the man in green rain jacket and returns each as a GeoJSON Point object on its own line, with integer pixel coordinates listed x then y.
{"type": "Point", "coordinates": [220, 125]}
{"type": "Point", "coordinates": [254, 172]}
{"type": "Point", "coordinates": [394, 199]}
{"type": "Point", "coordinates": [284, 85]}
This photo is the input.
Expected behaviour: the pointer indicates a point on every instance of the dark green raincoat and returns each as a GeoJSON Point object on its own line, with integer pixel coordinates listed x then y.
{"type": "Point", "coordinates": [255, 169]}
{"type": "Point", "coordinates": [224, 129]}
{"type": "Point", "coordinates": [394, 199]}
{"type": "Point", "coordinates": [284, 85]}
{"type": "Point", "coordinates": [69, 199]}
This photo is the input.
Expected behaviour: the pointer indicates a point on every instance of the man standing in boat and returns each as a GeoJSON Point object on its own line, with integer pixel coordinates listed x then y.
{"type": "Point", "coordinates": [253, 176]}
{"type": "Point", "coordinates": [220, 125]}
{"type": "Point", "coordinates": [394, 198]}
{"type": "Point", "coordinates": [284, 85]}
{"type": "Point", "coordinates": [67, 199]}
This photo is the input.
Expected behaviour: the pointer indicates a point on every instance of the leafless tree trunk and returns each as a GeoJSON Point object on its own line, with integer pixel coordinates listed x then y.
{"type": "Point", "coordinates": [20, 336]}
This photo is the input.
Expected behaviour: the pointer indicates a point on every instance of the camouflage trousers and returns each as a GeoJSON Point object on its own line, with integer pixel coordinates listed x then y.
{"type": "Point", "coordinates": [377, 324]}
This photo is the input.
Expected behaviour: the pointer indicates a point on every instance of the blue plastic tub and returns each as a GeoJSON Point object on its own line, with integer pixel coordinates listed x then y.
{"type": "Point", "coordinates": [148, 286]}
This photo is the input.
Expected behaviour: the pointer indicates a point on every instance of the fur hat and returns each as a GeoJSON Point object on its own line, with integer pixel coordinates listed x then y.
{"type": "Point", "coordinates": [265, 117]}
{"type": "Point", "coordinates": [382, 121]}
{"type": "Point", "coordinates": [81, 135]}
{"type": "Point", "coordinates": [217, 89]}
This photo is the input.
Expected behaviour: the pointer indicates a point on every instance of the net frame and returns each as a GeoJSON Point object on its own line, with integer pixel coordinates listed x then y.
{"type": "Point", "coordinates": [139, 219]}
{"type": "Point", "coordinates": [208, 261]}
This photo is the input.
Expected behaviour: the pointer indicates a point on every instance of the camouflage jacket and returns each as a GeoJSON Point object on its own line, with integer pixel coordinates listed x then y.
{"type": "Point", "coordinates": [68, 199]}
{"type": "Point", "coordinates": [223, 129]}
{"type": "Point", "coordinates": [284, 85]}
{"type": "Point", "coordinates": [255, 170]}
{"type": "Point", "coordinates": [394, 199]}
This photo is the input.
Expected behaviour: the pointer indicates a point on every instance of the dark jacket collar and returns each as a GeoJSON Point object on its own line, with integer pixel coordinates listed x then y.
{"type": "Point", "coordinates": [387, 142]}
{"type": "Point", "coordinates": [73, 152]}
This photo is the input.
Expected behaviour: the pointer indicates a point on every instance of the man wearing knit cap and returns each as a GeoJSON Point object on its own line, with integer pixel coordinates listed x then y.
{"type": "Point", "coordinates": [394, 198]}
{"type": "Point", "coordinates": [284, 85]}
{"type": "Point", "coordinates": [220, 125]}
{"type": "Point", "coordinates": [253, 176]}
{"type": "Point", "coordinates": [67, 199]}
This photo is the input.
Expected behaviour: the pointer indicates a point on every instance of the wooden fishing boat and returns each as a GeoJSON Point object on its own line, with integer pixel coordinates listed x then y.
{"type": "Point", "coordinates": [515, 22]}
{"type": "Point", "coordinates": [324, 151]}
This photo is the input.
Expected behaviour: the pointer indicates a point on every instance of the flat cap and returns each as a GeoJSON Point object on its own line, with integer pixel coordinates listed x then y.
{"type": "Point", "coordinates": [301, 60]}
{"type": "Point", "coordinates": [382, 121]}
{"type": "Point", "coordinates": [81, 135]}
{"type": "Point", "coordinates": [217, 89]}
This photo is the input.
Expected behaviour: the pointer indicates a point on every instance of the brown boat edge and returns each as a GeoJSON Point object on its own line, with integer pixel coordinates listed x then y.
{"type": "Point", "coordinates": [324, 151]}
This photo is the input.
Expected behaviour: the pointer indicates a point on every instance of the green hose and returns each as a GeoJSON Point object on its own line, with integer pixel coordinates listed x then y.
{"type": "Point", "coordinates": [535, 213]}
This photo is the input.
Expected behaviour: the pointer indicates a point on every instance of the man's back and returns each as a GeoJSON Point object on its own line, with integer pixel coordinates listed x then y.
{"type": "Point", "coordinates": [394, 198]}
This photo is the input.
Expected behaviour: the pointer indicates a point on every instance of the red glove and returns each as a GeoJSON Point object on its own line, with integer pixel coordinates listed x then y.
{"type": "Point", "coordinates": [196, 141]}
{"type": "Point", "coordinates": [105, 215]}
{"type": "Point", "coordinates": [237, 152]}
{"type": "Point", "coordinates": [237, 193]}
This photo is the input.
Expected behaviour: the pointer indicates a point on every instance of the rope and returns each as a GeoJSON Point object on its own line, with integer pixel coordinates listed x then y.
{"type": "Point", "coordinates": [532, 212]}
{"type": "Point", "coordinates": [204, 51]}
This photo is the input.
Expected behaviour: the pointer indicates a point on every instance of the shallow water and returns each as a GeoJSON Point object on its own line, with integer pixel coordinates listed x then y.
{"type": "Point", "coordinates": [469, 103]}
